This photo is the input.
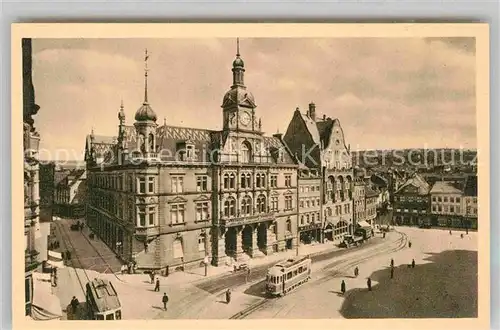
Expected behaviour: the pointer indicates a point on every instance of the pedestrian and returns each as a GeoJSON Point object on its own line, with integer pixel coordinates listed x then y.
{"type": "Point", "coordinates": [152, 276]}
{"type": "Point", "coordinates": [228, 296]}
{"type": "Point", "coordinates": [369, 284]}
{"type": "Point", "coordinates": [409, 244]}
{"type": "Point", "coordinates": [63, 255]}
{"type": "Point", "coordinates": [123, 269]}
{"type": "Point", "coordinates": [129, 268]}
{"type": "Point", "coordinates": [413, 263]}
{"type": "Point", "coordinates": [164, 300]}
{"type": "Point", "coordinates": [74, 304]}
{"type": "Point", "coordinates": [248, 275]}
{"type": "Point", "coordinates": [392, 272]}
{"type": "Point", "coordinates": [356, 271]}
{"type": "Point", "coordinates": [157, 285]}
{"type": "Point", "coordinates": [392, 263]}
{"type": "Point", "coordinates": [450, 232]}
{"type": "Point", "coordinates": [342, 287]}
{"type": "Point", "coordinates": [461, 235]}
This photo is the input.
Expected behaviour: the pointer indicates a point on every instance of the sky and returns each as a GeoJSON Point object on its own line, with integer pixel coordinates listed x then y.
{"type": "Point", "coordinates": [388, 93]}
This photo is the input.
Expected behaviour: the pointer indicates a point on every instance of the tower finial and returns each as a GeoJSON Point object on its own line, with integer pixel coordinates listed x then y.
{"type": "Point", "coordinates": [164, 121]}
{"type": "Point", "coordinates": [146, 57]}
{"type": "Point", "coordinates": [237, 46]}
{"type": "Point", "coordinates": [121, 104]}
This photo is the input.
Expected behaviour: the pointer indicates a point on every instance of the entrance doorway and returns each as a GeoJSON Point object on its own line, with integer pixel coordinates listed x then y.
{"type": "Point", "coordinates": [246, 238]}
{"type": "Point", "coordinates": [329, 232]}
{"type": "Point", "coordinates": [230, 240]}
{"type": "Point", "coordinates": [289, 244]}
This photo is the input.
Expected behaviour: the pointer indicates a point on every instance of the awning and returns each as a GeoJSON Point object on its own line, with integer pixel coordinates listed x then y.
{"type": "Point", "coordinates": [55, 259]}
{"type": "Point", "coordinates": [364, 224]}
{"type": "Point", "coordinates": [45, 305]}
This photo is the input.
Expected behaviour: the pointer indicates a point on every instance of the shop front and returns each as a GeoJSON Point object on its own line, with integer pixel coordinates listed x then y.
{"type": "Point", "coordinates": [310, 233]}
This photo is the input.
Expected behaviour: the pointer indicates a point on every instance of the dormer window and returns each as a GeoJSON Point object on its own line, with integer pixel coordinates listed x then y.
{"type": "Point", "coordinates": [185, 151]}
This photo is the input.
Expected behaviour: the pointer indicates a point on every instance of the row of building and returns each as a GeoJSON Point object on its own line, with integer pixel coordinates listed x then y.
{"type": "Point", "coordinates": [447, 202]}
{"type": "Point", "coordinates": [167, 196]}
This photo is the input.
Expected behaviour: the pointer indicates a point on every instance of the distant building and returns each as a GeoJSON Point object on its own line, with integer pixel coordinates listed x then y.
{"type": "Point", "coordinates": [70, 193]}
{"type": "Point", "coordinates": [446, 204]}
{"type": "Point", "coordinates": [47, 177]}
{"type": "Point", "coordinates": [470, 205]}
{"type": "Point", "coordinates": [411, 202]}
{"type": "Point", "coordinates": [371, 198]}
{"type": "Point", "coordinates": [359, 199]}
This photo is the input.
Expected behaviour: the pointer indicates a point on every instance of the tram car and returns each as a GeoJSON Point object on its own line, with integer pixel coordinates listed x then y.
{"type": "Point", "coordinates": [288, 275]}
{"type": "Point", "coordinates": [102, 301]}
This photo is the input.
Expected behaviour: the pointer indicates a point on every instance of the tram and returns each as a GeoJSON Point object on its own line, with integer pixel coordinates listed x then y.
{"type": "Point", "coordinates": [287, 275]}
{"type": "Point", "coordinates": [102, 301]}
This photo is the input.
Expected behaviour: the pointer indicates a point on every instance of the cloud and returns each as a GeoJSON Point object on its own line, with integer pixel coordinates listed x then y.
{"type": "Point", "coordinates": [387, 93]}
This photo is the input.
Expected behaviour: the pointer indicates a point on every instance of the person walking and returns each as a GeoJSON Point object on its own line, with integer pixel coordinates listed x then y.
{"type": "Point", "coordinates": [342, 287]}
{"type": "Point", "coordinates": [450, 232]}
{"type": "Point", "coordinates": [152, 276]}
{"type": "Point", "coordinates": [228, 296]}
{"type": "Point", "coordinates": [369, 284]}
{"type": "Point", "coordinates": [248, 275]}
{"type": "Point", "coordinates": [356, 271]}
{"type": "Point", "coordinates": [164, 300]}
{"type": "Point", "coordinates": [157, 286]}
{"type": "Point", "coordinates": [392, 263]}
{"type": "Point", "coordinates": [412, 263]}
{"type": "Point", "coordinates": [74, 304]}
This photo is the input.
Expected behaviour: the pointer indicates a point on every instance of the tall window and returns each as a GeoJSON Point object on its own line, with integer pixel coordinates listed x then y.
{"type": "Point", "coordinates": [274, 181]}
{"type": "Point", "coordinates": [177, 213]}
{"type": "Point", "coordinates": [226, 181]}
{"type": "Point", "coordinates": [151, 185]}
{"type": "Point", "coordinates": [142, 185]}
{"type": "Point", "coordinates": [289, 225]}
{"type": "Point", "coordinates": [142, 217]}
{"type": "Point", "coordinates": [246, 205]}
{"type": "Point", "coordinates": [201, 183]}
{"type": "Point", "coordinates": [261, 204]}
{"type": "Point", "coordinates": [274, 203]}
{"type": "Point", "coordinates": [232, 181]}
{"type": "Point", "coordinates": [246, 152]}
{"type": "Point", "coordinates": [230, 207]}
{"type": "Point", "coordinates": [177, 184]}
{"type": "Point", "coordinates": [246, 180]}
{"type": "Point", "coordinates": [288, 180]}
{"type": "Point", "coordinates": [177, 248]}
{"type": "Point", "coordinates": [201, 211]}
{"type": "Point", "coordinates": [151, 216]}
{"type": "Point", "coordinates": [288, 202]}
{"type": "Point", "coordinates": [301, 219]}
{"type": "Point", "coordinates": [202, 242]}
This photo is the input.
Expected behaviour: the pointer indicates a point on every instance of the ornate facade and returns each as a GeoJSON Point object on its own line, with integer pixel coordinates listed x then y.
{"type": "Point", "coordinates": [320, 145]}
{"type": "Point", "coordinates": [168, 197]}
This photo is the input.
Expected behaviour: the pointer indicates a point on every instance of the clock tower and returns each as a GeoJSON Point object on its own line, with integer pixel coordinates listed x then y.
{"type": "Point", "coordinates": [239, 104]}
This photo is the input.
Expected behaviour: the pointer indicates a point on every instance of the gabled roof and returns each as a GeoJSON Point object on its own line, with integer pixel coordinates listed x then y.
{"type": "Point", "coordinates": [418, 182]}
{"type": "Point", "coordinates": [471, 186]}
{"type": "Point", "coordinates": [447, 187]}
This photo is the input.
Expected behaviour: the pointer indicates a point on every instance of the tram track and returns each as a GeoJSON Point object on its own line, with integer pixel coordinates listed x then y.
{"type": "Point", "coordinates": [339, 266]}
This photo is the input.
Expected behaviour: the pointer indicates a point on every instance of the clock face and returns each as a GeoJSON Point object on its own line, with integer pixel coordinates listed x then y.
{"type": "Point", "coordinates": [245, 118]}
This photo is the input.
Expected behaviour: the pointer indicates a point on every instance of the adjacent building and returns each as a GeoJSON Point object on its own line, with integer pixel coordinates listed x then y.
{"type": "Point", "coordinates": [470, 204]}
{"type": "Point", "coordinates": [319, 144]}
{"type": "Point", "coordinates": [168, 197]}
{"type": "Point", "coordinates": [446, 203]}
{"type": "Point", "coordinates": [310, 223]}
{"type": "Point", "coordinates": [47, 177]}
{"type": "Point", "coordinates": [69, 193]}
{"type": "Point", "coordinates": [359, 200]}
{"type": "Point", "coordinates": [411, 202]}
{"type": "Point", "coordinates": [371, 205]}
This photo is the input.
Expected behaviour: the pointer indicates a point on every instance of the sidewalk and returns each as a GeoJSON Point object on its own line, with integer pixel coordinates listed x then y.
{"type": "Point", "coordinates": [197, 275]}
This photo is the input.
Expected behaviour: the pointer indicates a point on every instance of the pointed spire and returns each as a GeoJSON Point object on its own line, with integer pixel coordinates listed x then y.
{"type": "Point", "coordinates": [238, 47]}
{"type": "Point", "coordinates": [146, 57]}
{"type": "Point", "coordinates": [164, 121]}
{"type": "Point", "coordinates": [121, 104]}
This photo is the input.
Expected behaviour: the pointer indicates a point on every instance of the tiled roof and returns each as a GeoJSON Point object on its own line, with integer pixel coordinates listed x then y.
{"type": "Point", "coordinates": [418, 182]}
{"type": "Point", "coordinates": [446, 187]}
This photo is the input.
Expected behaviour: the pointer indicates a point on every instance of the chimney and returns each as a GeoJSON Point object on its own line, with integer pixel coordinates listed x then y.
{"type": "Point", "coordinates": [278, 135]}
{"type": "Point", "coordinates": [312, 111]}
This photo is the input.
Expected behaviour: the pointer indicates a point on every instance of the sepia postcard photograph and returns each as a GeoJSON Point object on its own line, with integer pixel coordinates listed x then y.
{"type": "Point", "coordinates": [310, 173]}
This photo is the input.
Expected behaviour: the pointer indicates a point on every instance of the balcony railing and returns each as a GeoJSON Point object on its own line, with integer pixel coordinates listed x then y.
{"type": "Point", "coordinates": [147, 231]}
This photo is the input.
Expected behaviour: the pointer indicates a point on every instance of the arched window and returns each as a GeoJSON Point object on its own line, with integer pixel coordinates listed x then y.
{"type": "Point", "coordinates": [226, 181]}
{"type": "Point", "coordinates": [307, 218]}
{"type": "Point", "coordinates": [243, 181]}
{"type": "Point", "coordinates": [289, 225]}
{"type": "Point", "coordinates": [246, 152]}
{"type": "Point", "coordinates": [177, 248]}
{"type": "Point", "coordinates": [246, 205]}
{"type": "Point", "coordinates": [142, 142]}
{"type": "Point", "coordinates": [258, 182]}
{"type": "Point", "coordinates": [232, 181]}
{"type": "Point", "coordinates": [230, 207]}
{"type": "Point", "coordinates": [151, 140]}
{"type": "Point", "coordinates": [301, 219]}
{"type": "Point", "coordinates": [261, 204]}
